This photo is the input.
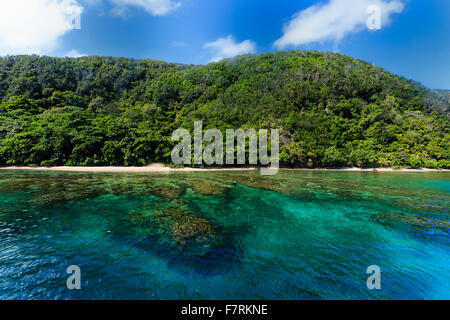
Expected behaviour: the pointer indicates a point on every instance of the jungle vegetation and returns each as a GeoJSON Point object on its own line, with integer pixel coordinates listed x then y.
{"type": "Point", "coordinates": [332, 110]}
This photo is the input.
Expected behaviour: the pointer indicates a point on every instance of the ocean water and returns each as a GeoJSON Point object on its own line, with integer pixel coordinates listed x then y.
{"type": "Point", "coordinates": [224, 235]}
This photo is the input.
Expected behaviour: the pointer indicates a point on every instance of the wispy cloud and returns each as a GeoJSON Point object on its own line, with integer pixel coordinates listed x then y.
{"type": "Point", "coordinates": [34, 26]}
{"type": "Point", "coordinates": [154, 7]}
{"type": "Point", "coordinates": [227, 48]}
{"type": "Point", "coordinates": [75, 54]}
{"type": "Point", "coordinates": [333, 20]}
{"type": "Point", "coordinates": [177, 44]}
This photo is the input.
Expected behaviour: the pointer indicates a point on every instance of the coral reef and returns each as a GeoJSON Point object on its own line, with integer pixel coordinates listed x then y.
{"type": "Point", "coordinates": [207, 188]}
{"type": "Point", "coordinates": [415, 221]}
{"type": "Point", "coordinates": [184, 225]}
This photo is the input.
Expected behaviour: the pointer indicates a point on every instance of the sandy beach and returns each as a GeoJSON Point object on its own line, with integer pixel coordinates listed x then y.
{"type": "Point", "coordinates": [157, 167]}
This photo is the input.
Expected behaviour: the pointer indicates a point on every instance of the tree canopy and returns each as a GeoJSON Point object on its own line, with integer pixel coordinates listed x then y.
{"type": "Point", "coordinates": [332, 110]}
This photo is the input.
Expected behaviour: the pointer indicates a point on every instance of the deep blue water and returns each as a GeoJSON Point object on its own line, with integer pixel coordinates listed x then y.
{"type": "Point", "coordinates": [224, 235]}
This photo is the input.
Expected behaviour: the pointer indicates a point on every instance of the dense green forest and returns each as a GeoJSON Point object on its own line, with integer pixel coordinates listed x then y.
{"type": "Point", "coordinates": [332, 110]}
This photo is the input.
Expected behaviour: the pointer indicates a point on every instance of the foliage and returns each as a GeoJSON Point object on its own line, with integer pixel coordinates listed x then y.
{"type": "Point", "coordinates": [332, 110]}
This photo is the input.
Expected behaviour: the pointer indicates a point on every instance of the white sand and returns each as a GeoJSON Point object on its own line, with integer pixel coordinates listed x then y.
{"type": "Point", "coordinates": [157, 167]}
{"type": "Point", "coordinates": [374, 169]}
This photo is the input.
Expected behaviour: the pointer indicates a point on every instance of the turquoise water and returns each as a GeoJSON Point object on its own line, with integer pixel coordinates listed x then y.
{"type": "Point", "coordinates": [224, 235]}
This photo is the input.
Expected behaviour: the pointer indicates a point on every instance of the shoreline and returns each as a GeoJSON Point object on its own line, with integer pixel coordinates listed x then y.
{"type": "Point", "coordinates": [155, 168]}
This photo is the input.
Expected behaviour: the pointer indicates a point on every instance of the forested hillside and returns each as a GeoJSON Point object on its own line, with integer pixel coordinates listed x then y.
{"type": "Point", "coordinates": [332, 110]}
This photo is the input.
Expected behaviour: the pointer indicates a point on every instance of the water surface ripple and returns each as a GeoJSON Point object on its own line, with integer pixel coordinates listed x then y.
{"type": "Point", "coordinates": [224, 235]}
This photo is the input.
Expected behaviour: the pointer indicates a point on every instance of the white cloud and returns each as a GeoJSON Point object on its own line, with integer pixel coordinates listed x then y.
{"type": "Point", "coordinates": [228, 48]}
{"type": "Point", "coordinates": [34, 26]}
{"type": "Point", "coordinates": [333, 20]}
{"type": "Point", "coordinates": [154, 7]}
{"type": "Point", "coordinates": [75, 54]}
{"type": "Point", "coordinates": [177, 44]}
{"type": "Point", "coordinates": [92, 2]}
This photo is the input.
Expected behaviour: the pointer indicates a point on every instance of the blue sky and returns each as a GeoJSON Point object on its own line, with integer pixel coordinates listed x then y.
{"type": "Point", "coordinates": [414, 39]}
